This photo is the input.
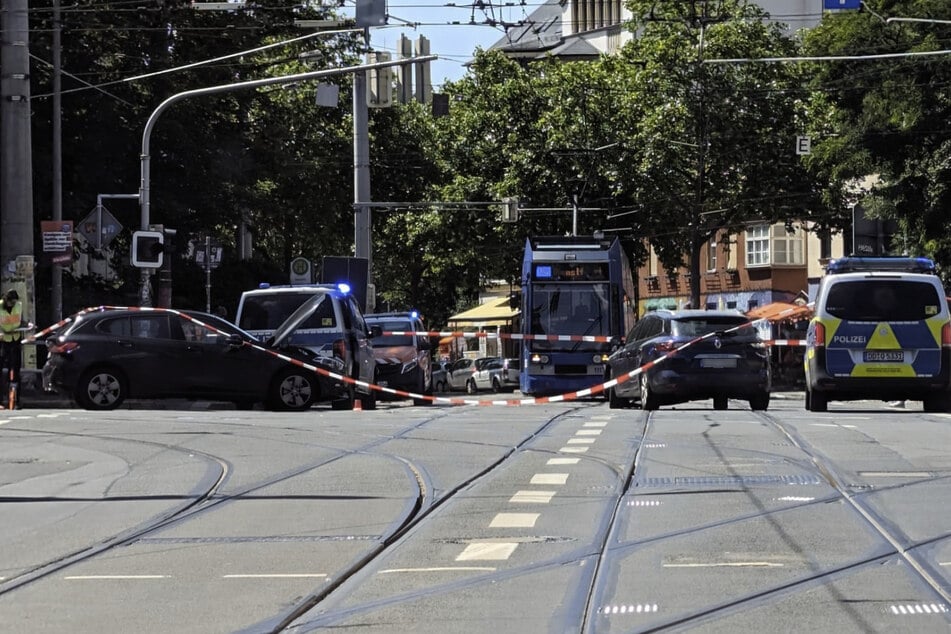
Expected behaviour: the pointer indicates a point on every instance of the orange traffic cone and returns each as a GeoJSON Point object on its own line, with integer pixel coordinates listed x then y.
{"type": "Point", "coordinates": [357, 404]}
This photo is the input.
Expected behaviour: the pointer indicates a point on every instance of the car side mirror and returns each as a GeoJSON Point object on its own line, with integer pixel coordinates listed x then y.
{"type": "Point", "coordinates": [233, 340]}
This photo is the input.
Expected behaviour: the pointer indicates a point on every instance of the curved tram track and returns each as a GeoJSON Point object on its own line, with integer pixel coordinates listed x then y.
{"type": "Point", "coordinates": [700, 538]}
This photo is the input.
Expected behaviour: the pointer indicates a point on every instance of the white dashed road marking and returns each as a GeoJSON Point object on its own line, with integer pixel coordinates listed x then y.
{"type": "Point", "coordinates": [573, 449]}
{"type": "Point", "coordinates": [532, 497]}
{"type": "Point", "coordinates": [588, 432]}
{"type": "Point", "coordinates": [549, 478]}
{"type": "Point", "coordinates": [275, 575]}
{"type": "Point", "coordinates": [557, 461]}
{"type": "Point", "coordinates": [580, 441]}
{"type": "Point", "coordinates": [514, 520]}
{"type": "Point", "coordinates": [441, 569]}
{"type": "Point", "coordinates": [112, 577]}
{"type": "Point", "coordinates": [487, 551]}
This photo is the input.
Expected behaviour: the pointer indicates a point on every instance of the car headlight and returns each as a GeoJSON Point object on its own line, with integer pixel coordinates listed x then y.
{"type": "Point", "coordinates": [409, 367]}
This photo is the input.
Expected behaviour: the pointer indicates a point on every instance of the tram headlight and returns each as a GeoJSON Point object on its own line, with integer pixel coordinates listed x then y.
{"type": "Point", "coordinates": [599, 358]}
{"type": "Point", "coordinates": [540, 359]}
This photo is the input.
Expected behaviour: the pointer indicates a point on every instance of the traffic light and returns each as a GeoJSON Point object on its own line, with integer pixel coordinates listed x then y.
{"type": "Point", "coordinates": [148, 249]}
{"type": "Point", "coordinates": [510, 210]}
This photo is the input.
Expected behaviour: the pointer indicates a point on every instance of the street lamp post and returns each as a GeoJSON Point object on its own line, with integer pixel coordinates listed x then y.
{"type": "Point", "coordinates": [145, 159]}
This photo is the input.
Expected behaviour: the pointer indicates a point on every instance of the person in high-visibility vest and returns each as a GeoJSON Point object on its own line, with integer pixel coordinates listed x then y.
{"type": "Point", "coordinates": [11, 317]}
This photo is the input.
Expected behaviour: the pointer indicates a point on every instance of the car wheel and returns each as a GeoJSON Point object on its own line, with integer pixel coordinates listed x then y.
{"type": "Point", "coordinates": [615, 401]}
{"type": "Point", "coordinates": [816, 401]}
{"type": "Point", "coordinates": [496, 386]}
{"type": "Point", "coordinates": [345, 403]}
{"type": "Point", "coordinates": [471, 387]}
{"type": "Point", "coordinates": [648, 400]}
{"type": "Point", "coordinates": [422, 402]}
{"type": "Point", "coordinates": [937, 403]}
{"type": "Point", "coordinates": [294, 390]}
{"type": "Point", "coordinates": [101, 389]}
{"type": "Point", "coordinates": [760, 402]}
{"type": "Point", "coordinates": [368, 401]}
{"type": "Point", "coordinates": [720, 402]}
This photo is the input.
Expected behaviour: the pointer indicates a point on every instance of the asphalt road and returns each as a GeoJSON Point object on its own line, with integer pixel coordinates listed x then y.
{"type": "Point", "coordinates": [568, 517]}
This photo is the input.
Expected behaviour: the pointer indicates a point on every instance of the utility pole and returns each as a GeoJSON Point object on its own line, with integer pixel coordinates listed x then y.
{"type": "Point", "coordinates": [361, 166]}
{"type": "Point", "coordinates": [56, 290]}
{"type": "Point", "coordinates": [16, 175]}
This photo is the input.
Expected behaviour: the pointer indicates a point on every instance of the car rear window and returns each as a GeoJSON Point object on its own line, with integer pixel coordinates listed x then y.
{"type": "Point", "coordinates": [386, 341]}
{"type": "Point", "coordinates": [699, 326]}
{"type": "Point", "coordinates": [883, 300]}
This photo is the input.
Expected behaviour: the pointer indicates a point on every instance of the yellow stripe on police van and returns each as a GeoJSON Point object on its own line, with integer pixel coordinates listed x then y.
{"type": "Point", "coordinates": [883, 338]}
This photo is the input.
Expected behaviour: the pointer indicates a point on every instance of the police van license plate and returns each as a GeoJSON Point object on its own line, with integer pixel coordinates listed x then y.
{"type": "Point", "coordinates": [872, 356]}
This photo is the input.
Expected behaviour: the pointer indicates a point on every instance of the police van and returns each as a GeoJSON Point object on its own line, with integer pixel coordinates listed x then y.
{"type": "Point", "coordinates": [881, 331]}
{"type": "Point", "coordinates": [334, 328]}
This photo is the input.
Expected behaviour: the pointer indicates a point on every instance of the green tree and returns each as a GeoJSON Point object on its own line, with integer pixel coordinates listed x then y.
{"type": "Point", "coordinates": [888, 116]}
{"type": "Point", "coordinates": [715, 143]}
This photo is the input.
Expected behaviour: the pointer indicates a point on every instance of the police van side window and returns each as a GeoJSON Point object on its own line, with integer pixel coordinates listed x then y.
{"type": "Point", "coordinates": [883, 300]}
{"type": "Point", "coordinates": [323, 316]}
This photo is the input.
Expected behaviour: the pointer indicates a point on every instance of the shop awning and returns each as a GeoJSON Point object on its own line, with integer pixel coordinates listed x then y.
{"type": "Point", "coordinates": [780, 311]}
{"type": "Point", "coordinates": [495, 312]}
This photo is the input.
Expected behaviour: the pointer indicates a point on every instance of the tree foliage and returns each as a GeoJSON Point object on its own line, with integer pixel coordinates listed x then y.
{"type": "Point", "coordinates": [889, 115]}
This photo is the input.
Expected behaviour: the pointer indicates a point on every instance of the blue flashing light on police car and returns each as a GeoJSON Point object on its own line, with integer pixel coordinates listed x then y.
{"type": "Point", "coordinates": [902, 264]}
{"type": "Point", "coordinates": [343, 287]}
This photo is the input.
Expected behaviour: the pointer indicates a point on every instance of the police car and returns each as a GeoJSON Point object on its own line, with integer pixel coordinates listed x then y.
{"type": "Point", "coordinates": [881, 331]}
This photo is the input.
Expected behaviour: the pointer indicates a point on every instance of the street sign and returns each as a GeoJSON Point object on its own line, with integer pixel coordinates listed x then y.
{"type": "Point", "coordinates": [215, 253]}
{"type": "Point", "coordinates": [301, 271]}
{"type": "Point", "coordinates": [99, 228]}
{"type": "Point", "coordinates": [841, 4]}
{"type": "Point", "coordinates": [803, 145]}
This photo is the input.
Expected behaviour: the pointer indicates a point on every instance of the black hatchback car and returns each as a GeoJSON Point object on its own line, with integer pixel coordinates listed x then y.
{"type": "Point", "coordinates": [725, 359]}
{"type": "Point", "coordinates": [108, 355]}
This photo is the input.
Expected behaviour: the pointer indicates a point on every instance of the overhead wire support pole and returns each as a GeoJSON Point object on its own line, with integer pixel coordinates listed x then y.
{"type": "Point", "coordinates": [145, 164]}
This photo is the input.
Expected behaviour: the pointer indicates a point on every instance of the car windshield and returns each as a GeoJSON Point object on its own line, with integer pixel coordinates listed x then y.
{"type": "Point", "coordinates": [699, 326]}
{"type": "Point", "coordinates": [388, 341]}
{"type": "Point", "coordinates": [883, 300]}
{"type": "Point", "coordinates": [267, 311]}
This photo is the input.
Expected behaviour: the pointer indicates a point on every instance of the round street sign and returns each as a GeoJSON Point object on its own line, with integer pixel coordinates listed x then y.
{"type": "Point", "coordinates": [301, 271]}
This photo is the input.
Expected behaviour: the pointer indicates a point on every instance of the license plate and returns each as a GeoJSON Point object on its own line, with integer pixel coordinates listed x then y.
{"type": "Point", "coordinates": [384, 383]}
{"type": "Point", "coordinates": [872, 356]}
{"type": "Point", "coordinates": [717, 362]}
{"type": "Point", "coordinates": [597, 369]}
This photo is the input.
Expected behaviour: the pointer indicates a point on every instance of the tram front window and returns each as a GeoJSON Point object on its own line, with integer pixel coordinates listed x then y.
{"type": "Point", "coordinates": [569, 310]}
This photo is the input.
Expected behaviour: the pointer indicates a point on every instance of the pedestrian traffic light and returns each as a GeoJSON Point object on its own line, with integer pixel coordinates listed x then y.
{"type": "Point", "coordinates": [148, 249]}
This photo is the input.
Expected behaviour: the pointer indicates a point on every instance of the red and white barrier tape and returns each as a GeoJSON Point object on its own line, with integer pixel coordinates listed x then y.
{"type": "Point", "coordinates": [542, 400]}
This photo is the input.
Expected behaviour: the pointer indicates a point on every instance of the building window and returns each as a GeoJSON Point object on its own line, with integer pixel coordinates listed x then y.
{"type": "Point", "coordinates": [757, 245]}
{"type": "Point", "coordinates": [652, 263]}
{"type": "Point", "coordinates": [787, 244]}
{"type": "Point", "coordinates": [712, 254]}
{"type": "Point", "coordinates": [825, 245]}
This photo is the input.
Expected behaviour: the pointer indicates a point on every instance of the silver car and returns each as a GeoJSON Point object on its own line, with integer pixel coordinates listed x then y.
{"type": "Point", "coordinates": [462, 372]}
